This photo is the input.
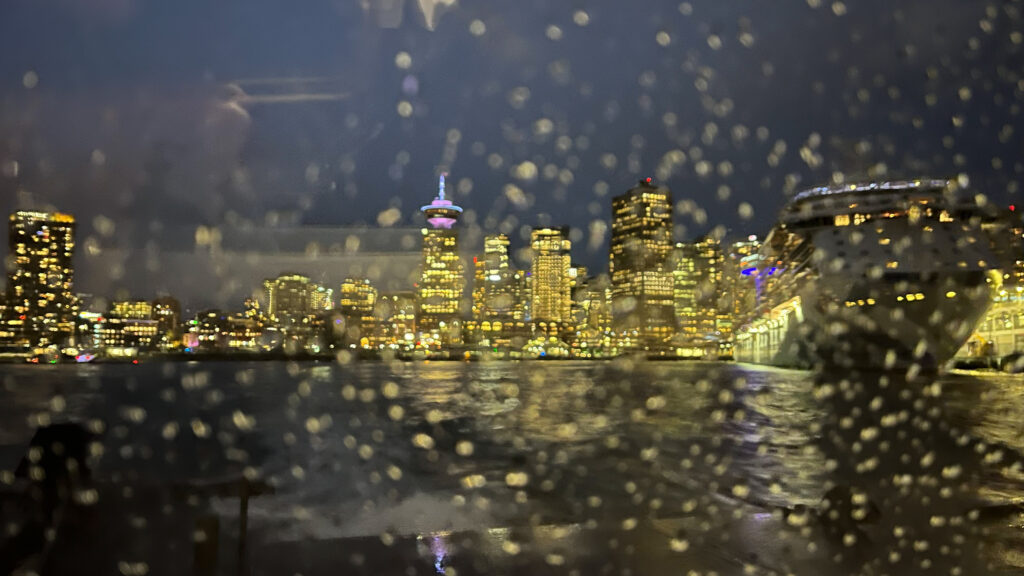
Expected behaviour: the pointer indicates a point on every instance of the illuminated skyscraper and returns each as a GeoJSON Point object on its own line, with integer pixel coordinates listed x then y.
{"type": "Point", "coordinates": [289, 297]}
{"type": "Point", "coordinates": [442, 279]}
{"type": "Point", "coordinates": [357, 302]}
{"type": "Point", "coordinates": [496, 279]}
{"type": "Point", "coordinates": [708, 263]}
{"type": "Point", "coordinates": [552, 285]}
{"type": "Point", "coordinates": [41, 305]}
{"type": "Point", "coordinates": [494, 295]}
{"type": "Point", "coordinates": [738, 290]}
{"type": "Point", "coordinates": [703, 305]}
{"type": "Point", "coordinates": [640, 267]}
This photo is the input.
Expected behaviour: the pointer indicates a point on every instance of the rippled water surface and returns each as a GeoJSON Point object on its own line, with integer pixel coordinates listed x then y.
{"type": "Point", "coordinates": [535, 468]}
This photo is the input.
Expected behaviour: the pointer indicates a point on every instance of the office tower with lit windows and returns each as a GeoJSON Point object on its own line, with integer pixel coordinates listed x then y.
{"type": "Point", "coordinates": [321, 299]}
{"type": "Point", "coordinates": [167, 313]}
{"type": "Point", "coordinates": [551, 288]}
{"type": "Point", "coordinates": [6, 335]}
{"type": "Point", "coordinates": [357, 302]}
{"type": "Point", "coordinates": [640, 266]}
{"type": "Point", "coordinates": [708, 268]}
{"type": "Point", "coordinates": [289, 298]}
{"type": "Point", "coordinates": [684, 272]}
{"type": "Point", "coordinates": [442, 279]}
{"type": "Point", "coordinates": [702, 305]}
{"type": "Point", "coordinates": [133, 309]}
{"type": "Point", "coordinates": [494, 291]}
{"type": "Point", "coordinates": [41, 305]}
{"type": "Point", "coordinates": [738, 291]}
{"type": "Point", "coordinates": [597, 298]}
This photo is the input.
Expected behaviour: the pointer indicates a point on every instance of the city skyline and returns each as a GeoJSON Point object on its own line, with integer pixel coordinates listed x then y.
{"type": "Point", "coordinates": [517, 252]}
{"type": "Point", "coordinates": [553, 306]}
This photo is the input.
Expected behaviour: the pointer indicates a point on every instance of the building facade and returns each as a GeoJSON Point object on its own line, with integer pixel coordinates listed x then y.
{"type": "Point", "coordinates": [41, 306]}
{"type": "Point", "coordinates": [640, 266]}
{"type": "Point", "coordinates": [167, 313]}
{"type": "Point", "coordinates": [442, 278]}
{"type": "Point", "coordinates": [703, 306]}
{"type": "Point", "coordinates": [356, 303]}
{"type": "Point", "coordinates": [551, 288]}
{"type": "Point", "coordinates": [289, 298]}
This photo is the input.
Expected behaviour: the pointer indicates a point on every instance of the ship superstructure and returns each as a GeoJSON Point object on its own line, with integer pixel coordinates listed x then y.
{"type": "Point", "coordinates": [874, 275]}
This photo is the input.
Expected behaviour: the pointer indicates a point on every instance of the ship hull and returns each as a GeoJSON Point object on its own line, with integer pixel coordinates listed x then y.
{"type": "Point", "coordinates": [891, 322]}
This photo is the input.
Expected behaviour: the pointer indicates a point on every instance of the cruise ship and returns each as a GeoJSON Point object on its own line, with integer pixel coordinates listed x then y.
{"type": "Point", "coordinates": [879, 275]}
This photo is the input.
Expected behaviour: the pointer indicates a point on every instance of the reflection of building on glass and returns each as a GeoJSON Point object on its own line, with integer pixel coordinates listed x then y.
{"type": "Point", "coordinates": [442, 279]}
{"type": "Point", "coordinates": [640, 267]}
{"type": "Point", "coordinates": [41, 307]}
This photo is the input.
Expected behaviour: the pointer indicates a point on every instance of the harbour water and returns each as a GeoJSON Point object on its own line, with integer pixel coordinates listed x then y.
{"type": "Point", "coordinates": [536, 468]}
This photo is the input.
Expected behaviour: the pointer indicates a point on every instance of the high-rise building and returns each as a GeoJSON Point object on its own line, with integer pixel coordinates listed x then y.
{"type": "Point", "coordinates": [640, 267]}
{"type": "Point", "coordinates": [684, 273]}
{"type": "Point", "coordinates": [289, 297]}
{"type": "Point", "coordinates": [495, 320]}
{"type": "Point", "coordinates": [738, 290]}
{"type": "Point", "coordinates": [442, 279]}
{"type": "Point", "coordinates": [6, 335]}
{"type": "Point", "coordinates": [41, 305]}
{"type": "Point", "coordinates": [702, 306]}
{"type": "Point", "coordinates": [708, 270]}
{"type": "Point", "coordinates": [167, 313]}
{"type": "Point", "coordinates": [357, 302]}
{"type": "Point", "coordinates": [552, 285]}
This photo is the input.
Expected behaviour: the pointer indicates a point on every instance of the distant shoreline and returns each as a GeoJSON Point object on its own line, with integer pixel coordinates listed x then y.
{"type": "Point", "coordinates": [363, 356]}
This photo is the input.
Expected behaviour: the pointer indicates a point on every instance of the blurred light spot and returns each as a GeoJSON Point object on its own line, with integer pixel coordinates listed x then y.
{"type": "Point", "coordinates": [30, 79]}
{"type": "Point", "coordinates": [477, 28]}
{"type": "Point", "coordinates": [517, 479]}
{"type": "Point", "coordinates": [389, 218]}
{"type": "Point", "coordinates": [581, 18]}
{"type": "Point", "coordinates": [403, 60]}
{"type": "Point", "coordinates": [423, 441]}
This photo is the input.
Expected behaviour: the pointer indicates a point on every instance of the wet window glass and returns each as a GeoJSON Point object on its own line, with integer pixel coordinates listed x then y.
{"type": "Point", "coordinates": [462, 287]}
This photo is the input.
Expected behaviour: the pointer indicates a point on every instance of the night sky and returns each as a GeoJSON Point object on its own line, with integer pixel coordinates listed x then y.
{"type": "Point", "coordinates": [147, 119]}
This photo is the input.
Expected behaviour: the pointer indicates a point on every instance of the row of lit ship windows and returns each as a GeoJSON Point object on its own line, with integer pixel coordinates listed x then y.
{"type": "Point", "coordinates": [908, 297]}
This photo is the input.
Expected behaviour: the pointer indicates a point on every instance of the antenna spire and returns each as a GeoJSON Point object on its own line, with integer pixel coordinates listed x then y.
{"type": "Point", "coordinates": [440, 186]}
